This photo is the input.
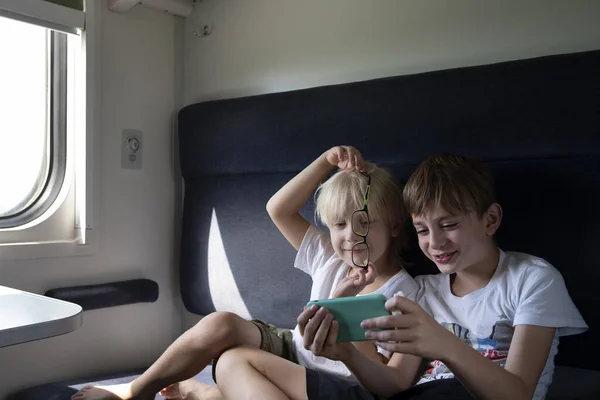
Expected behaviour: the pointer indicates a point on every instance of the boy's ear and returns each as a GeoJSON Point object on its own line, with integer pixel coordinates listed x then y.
{"type": "Point", "coordinates": [493, 217]}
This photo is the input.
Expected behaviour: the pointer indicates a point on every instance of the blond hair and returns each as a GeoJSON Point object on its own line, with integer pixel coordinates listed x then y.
{"type": "Point", "coordinates": [343, 193]}
{"type": "Point", "coordinates": [454, 182]}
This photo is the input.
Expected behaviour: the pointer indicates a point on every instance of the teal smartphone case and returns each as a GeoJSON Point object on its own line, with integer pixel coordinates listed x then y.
{"type": "Point", "coordinates": [351, 311]}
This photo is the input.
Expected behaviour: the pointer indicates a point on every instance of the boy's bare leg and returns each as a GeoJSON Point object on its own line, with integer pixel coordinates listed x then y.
{"type": "Point", "coordinates": [186, 357]}
{"type": "Point", "coordinates": [250, 373]}
{"type": "Point", "coordinates": [191, 390]}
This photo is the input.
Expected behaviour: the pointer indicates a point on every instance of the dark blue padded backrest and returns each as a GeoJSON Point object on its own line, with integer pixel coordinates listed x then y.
{"type": "Point", "coordinates": [535, 122]}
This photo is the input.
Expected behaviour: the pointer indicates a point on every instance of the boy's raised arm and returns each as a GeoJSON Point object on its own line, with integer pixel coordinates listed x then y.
{"type": "Point", "coordinates": [284, 206]}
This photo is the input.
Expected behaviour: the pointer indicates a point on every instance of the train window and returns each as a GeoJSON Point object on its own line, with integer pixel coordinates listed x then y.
{"type": "Point", "coordinates": [33, 122]}
{"type": "Point", "coordinates": [49, 51]}
{"type": "Point", "coordinates": [33, 105]}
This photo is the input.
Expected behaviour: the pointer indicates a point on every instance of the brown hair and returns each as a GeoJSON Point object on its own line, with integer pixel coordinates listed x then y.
{"type": "Point", "coordinates": [344, 192]}
{"type": "Point", "coordinates": [454, 182]}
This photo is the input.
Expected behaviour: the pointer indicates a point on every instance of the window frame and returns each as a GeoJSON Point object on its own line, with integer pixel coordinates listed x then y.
{"type": "Point", "coordinates": [72, 227]}
{"type": "Point", "coordinates": [57, 137]}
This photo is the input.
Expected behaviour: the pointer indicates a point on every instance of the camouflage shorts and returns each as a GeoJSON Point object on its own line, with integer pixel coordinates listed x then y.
{"type": "Point", "coordinates": [273, 340]}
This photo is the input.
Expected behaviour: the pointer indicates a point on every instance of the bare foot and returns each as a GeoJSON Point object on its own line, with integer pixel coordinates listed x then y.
{"type": "Point", "coordinates": [191, 390]}
{"type": "Point", "coordinates": [112, 392]}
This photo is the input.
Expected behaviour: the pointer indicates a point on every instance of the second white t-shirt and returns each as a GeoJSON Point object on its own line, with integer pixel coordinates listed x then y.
{"type": "Point", "coordinates": [317, 258]}
{"type": "Point", "coordinates": [524, 290]}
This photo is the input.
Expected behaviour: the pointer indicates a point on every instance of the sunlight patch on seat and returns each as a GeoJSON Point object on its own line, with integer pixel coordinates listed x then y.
{"type": "Point", "coordinates": [221, 282]}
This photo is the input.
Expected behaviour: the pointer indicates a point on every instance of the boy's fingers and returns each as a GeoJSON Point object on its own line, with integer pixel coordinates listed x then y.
{"type": "Point", "coordinates": [321, 335]}
{"type": "Point", "coordinates": [398, 303]}
{"type": "Point", "coordinates": [348, 282]}
{"type": "Point", "coordinates": [309, 333]}
{"type": "Point", "coordinates": [333, 333]}
{"type": "Point", "coordinates": [312, 327]}
{"type": "Point", "coordinates": [353, 157]}
{"type": "Point", "coordinates": [360, 280]}
{"type": "Point", "coordinates": [397, 347]}
{"type": "Point", "coordinates": [371, 274]}
{"type": "Point", "coordinates": [392, 335]}
{"type": "Point", "coordinates": [305, 316]}
{"type": "Point", "coordinates": [340, 153]}
{"type": "Point", "coordinates": [349, 154]}
{"type": "Point", "coordinates": [389, 321]}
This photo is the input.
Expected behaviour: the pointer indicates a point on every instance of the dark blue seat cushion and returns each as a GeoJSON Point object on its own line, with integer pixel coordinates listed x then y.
{"type": "Point", "coordinates": [535, 122]}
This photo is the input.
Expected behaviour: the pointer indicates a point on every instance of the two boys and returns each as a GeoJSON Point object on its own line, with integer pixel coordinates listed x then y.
{"type": "Point", "coordinates": [488, 325]}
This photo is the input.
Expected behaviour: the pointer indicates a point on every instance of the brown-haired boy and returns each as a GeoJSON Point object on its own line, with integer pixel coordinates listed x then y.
{"type": "Point", "coordinates": [490, 321]}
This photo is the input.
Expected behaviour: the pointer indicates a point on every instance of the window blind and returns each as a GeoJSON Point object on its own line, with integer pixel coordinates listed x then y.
{"type": "Point", "coordinates": [61, 15]}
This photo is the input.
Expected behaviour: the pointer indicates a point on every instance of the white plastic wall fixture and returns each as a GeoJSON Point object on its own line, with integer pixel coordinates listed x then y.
{"type": "Point", "coordinates": [182, 8]}
{"type": "Point", "coordinates": [121, 5]}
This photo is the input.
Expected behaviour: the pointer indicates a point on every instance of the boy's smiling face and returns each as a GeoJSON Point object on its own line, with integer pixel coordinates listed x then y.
{"type": "Point", "coordinates": [457, 242]}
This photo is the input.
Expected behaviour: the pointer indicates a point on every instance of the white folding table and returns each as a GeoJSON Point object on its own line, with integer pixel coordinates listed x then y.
{"type": "Point", "coordinates": [25, 316]}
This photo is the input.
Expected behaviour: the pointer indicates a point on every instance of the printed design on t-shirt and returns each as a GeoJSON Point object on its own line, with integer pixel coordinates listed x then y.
{"type": "Point", "coordinates": [494, 347]}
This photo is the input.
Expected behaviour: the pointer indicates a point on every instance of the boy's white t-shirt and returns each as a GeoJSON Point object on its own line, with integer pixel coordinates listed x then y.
{"type": "Point", "coordinates": [524, 290]}
{"type": "Point", "coordinates": [317, 258]}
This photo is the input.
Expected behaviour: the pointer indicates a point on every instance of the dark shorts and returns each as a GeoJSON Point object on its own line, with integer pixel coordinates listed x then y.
{"type": "Point", "coordinates": [448, 389]}
{"type": "Point", "coordinates": [320, 385]}
{"type": "Point", "coordinates": [273, 340]}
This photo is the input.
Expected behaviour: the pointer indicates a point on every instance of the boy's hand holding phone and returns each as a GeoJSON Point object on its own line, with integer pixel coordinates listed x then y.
{"type": "Point", "coordinates": [413, 331]}
{"type": "Point", "coordinates": [329, 326]}
{"type": "Point", "coordinates": [320, 331]}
